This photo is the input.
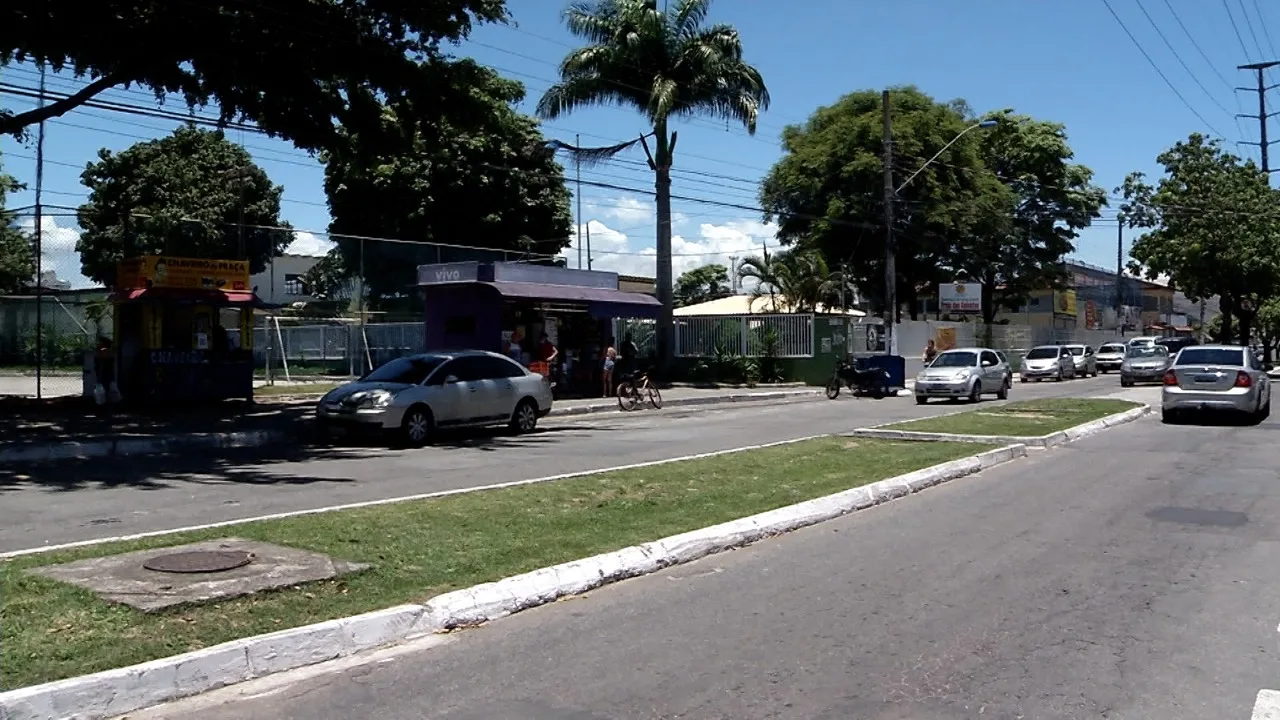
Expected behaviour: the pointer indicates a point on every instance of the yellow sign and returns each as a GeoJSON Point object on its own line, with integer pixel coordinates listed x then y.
{"type": "Point", "coordinates": [945, 338]}
{"type": "Point", "coordinates": [164, 271]}
{"type": "Point", "coordinates": [1064, 302]}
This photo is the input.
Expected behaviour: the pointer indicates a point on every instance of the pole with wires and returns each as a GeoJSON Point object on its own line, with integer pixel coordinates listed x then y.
{"type": "Point", "coordinates": [577, 166]}
{"type": "Point", "coordinates": [39, 242]}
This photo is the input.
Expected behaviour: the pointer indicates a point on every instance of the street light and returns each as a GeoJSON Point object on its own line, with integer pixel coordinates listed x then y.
{"type": "Point", "coordinates": [890, 194]}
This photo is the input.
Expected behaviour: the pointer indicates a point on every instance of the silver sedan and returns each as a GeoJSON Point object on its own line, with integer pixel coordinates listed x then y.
{"type": "Point", "coordinates": [1207, 378]}
{"type": "Point", "coordinates": [1144, 363]}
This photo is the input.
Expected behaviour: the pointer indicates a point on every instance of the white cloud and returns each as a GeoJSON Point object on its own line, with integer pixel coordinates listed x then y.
{"type": "Point", "coordinates": [629, 212]}
{"type": "Point", "coordinates": [309, 244]}
{"type": "Point", "coordinates": [58, 251]}
{"type": "Point", "coordinates": [613, 250]}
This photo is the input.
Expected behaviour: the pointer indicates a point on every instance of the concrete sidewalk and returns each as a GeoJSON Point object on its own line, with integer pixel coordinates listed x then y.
{"type": "Point", "coordinates": [71, 432]}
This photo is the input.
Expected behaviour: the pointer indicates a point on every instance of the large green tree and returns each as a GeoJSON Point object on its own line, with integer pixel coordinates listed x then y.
{"type": "Point", "coordinates": [191, 194]}
{"type": "Point", "coordinates": [667, 66]}
{"type": "Point", "coordinates": [299, 70]}
{"type": "Point", "coordinates": [1016, 239]}
{"type": "Point", "coordinates": [702, 284]}
{"type": "Point", "coordinates": [827, 191]}
{"type": "Point", "coordinates": [1211, 227]}
{"type": "Point", "coordinates": [426, 175]}
{"type": "Point", "coordinates": [17, 259]}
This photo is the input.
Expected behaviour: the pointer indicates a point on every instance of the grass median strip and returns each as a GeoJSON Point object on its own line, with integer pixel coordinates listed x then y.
{"type": "Point", "coordinates": [50, 630]}
{"type": "Point", "coordinates": [1025, 418]}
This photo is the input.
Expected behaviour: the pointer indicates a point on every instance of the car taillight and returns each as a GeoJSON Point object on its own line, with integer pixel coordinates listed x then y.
{"type": "Point", "coordinates": [1243, 380]}
{"type": "Point", "coordinates": [1170, 378]}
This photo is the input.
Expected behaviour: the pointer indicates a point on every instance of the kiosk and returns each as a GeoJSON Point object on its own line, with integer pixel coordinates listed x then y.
{"type": "Point", "coordinates": [184, 329]}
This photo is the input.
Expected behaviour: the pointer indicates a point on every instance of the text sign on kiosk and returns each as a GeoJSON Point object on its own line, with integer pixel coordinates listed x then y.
{"type": "Point", "coordinates": [163, 271]}
{"type": "Point", "coordinates": [442, 273]}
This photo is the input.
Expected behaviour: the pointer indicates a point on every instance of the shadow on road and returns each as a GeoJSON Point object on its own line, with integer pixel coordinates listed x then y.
{"type": "Point", "coordinates": [256, 466]}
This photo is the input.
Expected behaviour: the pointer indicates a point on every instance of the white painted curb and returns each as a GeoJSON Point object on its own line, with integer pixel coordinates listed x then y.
{"type": "Point", "coordinates": [1041, 441]}
{"type": "Point", "coordinates": [125, 447]}
{"type": "Point", "coordinates": [115, 692]}
{"type": "Point", "coordinates": [1267, 706]}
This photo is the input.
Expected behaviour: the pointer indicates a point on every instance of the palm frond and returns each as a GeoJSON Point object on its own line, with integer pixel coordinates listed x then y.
{"type": "Point", "coordinates": [688, 16]}
{"type": "Point", "coordinates": [591, 156]}
{"type": "Point", "coordinates": [594, 22]}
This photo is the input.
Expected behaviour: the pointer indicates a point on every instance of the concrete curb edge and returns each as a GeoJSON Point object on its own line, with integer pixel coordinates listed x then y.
{"type": "Point", "coordinates": [1042, 441]}
{"type": "Point", "coordinates": [125, 447]}
{"type": "Point", "coordinates": [116, 692]}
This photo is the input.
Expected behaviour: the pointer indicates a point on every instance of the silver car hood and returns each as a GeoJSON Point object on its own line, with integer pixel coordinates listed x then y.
{"type": "Point", "coordinates": [343, 392]}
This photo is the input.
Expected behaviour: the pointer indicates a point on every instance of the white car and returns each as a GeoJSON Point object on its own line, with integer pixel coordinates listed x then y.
{"type": "Point", "coordinates": [1086, 363]}
{"type": "Point", "coordinates": [963, 372]}
{"type": "Point", "coordinates": [1111, 356]}
{"type": "Point", "coordinates": [414, 396]}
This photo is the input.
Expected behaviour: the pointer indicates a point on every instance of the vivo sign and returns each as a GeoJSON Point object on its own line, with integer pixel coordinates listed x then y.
{"type": "Point", "coordinates": [448, 273]}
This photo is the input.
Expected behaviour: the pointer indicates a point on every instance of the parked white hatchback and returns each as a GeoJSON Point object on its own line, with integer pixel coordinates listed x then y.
{"type": "Point", "coordinates": [963, 372]}
{"type": "Point", "coordinates": [1207, 378]}
{"type": "Point", "coordinates": [415, 395]}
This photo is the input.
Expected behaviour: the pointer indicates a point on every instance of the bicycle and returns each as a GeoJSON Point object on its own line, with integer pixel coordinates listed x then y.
{"type": "Point", "coordinates": [635, 388]}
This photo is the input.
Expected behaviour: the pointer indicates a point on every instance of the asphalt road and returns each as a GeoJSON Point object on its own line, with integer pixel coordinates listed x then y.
{"type": "Point", "coordinates": [1128, 576]}
{"type": "Point", "coordinates": [43, 504]}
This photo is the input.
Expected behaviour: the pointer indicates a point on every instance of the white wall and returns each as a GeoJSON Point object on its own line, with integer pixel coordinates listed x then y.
{"type": "Point", "coordinates": [273, 283]}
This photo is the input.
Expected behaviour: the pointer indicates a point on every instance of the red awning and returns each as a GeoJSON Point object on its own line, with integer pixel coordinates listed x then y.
{"type": "Point", "coordinates": [233, 298]}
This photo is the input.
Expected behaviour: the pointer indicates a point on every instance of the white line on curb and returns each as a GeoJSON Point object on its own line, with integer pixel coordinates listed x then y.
{"type": "Point", "coordinates": [390, 501]}
{"type": "Point", "coordinates": [116, 692]}
{"type": "Point", "coordinates": [1267, 706]}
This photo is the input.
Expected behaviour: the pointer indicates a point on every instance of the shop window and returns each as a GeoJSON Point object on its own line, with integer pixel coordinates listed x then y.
{"type": "Point", "coordinates": [460, 325]}
{"type": "Point", "coordinates": [293, 285]}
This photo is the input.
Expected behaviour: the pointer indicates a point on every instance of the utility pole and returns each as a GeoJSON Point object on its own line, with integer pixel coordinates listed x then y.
{"type": "Point", "coordinates": [577, 166]}
{"type": "Point", "coordinates": [1262, 115]}
{"type": "Point", "coordinates": [39, 228]}
{"type": "Point", "coordinates": [890, 263]}
{"type": "Point", "coordinates": [1120, 272]}
{"type": "Point", "coordinates": [733, 274]}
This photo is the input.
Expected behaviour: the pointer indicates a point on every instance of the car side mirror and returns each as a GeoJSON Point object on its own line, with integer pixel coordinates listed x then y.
{"type": "Point", "coordinates": [987, 363]}
{"type": "Point", "coordinates": [451, 380]}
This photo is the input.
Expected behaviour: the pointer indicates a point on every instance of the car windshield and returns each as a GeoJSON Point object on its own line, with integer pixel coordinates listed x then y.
{"type": "Point", "coordinates": [955, 359]}
{"type": "Point", "coordinates": [1077, 350]}
{"type": "Point", "coordinates": [1147, 351]}
{"type": "Point", "coordinates": [1111, 349]}
{"type": "Point", "coordinates": [1043, 353]}
{"type": "Point", "coordinates": [406, 371]}
{"type": "Point", "coordinates": [1211, 356]}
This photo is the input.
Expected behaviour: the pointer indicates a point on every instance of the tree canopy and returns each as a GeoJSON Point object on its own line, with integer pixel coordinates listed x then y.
{"type": "Point", "coordinates": [665, 65]}
{"type": "Point", "coordinates": [1211, 227]}
{"type": "Point", "coordinates": [427, 176]}
{"type": "Point", "coordinates": [179, 195]}
{"type": "Point", "coordinates": [702, 284]}
{"type": "Point", "coordinates": [296, 69]}
{"type": "Point", "coordinates": [1000, 206]}
{"type": "Point", "coordinates": [17, 258]}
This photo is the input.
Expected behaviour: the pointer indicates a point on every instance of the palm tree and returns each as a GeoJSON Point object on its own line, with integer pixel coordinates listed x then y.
{"type": "Point", "coordinates": [800, 278]}
{"type": "Point", "coordinates": [666, 65]}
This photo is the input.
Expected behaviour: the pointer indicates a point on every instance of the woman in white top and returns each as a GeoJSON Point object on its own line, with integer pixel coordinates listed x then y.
{"type": "Point", "coordinates": [610, 361]}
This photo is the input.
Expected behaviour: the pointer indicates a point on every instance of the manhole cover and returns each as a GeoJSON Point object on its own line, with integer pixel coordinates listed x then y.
{"type": "Point", "coordinates": [201, 561]}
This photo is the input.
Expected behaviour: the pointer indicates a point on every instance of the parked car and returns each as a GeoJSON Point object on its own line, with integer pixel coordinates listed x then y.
{"type": "Point", "coordinates": [964, 372]}
{"type": "Point", "coordinates": [1110, 356]}
{"type": "Point", "coordinates": [414, 396]}
{"type": "Point", "coordinates": [1174, 344]}
{"type": "Point", "coordinates": [1048, 362]}
{"type": "Point", "coordinates": [1086, 362]}
{"type": "Point", "coordinates": [1008, 367]}
{"type": "Point", "coordinates": [1206, 378]}
{"type": "Point", "coordinates": [1144, 363]}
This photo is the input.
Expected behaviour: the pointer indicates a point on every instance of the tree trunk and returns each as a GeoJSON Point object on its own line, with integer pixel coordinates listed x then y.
{"type": "Point", "coordinates": [988, 310]}
{"type": "Point", "coordinates": [1224, 329]}
{"type": "Point", "coordinates": [662, 184]}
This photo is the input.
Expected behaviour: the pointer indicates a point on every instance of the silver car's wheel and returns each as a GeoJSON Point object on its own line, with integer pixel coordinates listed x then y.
{"type": "Point", "coordinates": [417, 426]}
{"type": "Point", "coordinates": [525, 418]}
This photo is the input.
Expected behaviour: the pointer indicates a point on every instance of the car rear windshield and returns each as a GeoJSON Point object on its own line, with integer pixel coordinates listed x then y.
{"type": "Point", "coordinates": [1111, 349]}
{"type": "Point", "coordinates": [956, 359]}
{"type": "Point", "coordinates": [1147, 351]}
{"type": "Point", "coordinates": [1076, 350]}
{"type": "Point", "coordinates": [407, 371]}
{"type": "Point", "coordinates": [1042, 353]}
{"type": "Point", "coordinates": [1211, 356]}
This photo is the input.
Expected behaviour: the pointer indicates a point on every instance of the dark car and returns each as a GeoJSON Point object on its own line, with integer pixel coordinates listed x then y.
{"type": "Point", "coordinates": [1174, 344]}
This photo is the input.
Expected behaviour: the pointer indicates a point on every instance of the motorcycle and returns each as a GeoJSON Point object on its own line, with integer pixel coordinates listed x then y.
{"type": "Point", "coordinates": [859, 381]}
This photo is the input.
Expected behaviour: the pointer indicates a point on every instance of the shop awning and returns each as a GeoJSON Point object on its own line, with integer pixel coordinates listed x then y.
{"type": "Point", "coordinates": [220, 298]}
{"type": "Point", "coordinates": [601, 302]}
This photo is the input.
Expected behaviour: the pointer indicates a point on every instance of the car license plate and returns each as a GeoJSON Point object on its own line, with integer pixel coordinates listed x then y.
{"type": "Point", "coordinates": [1206, 378]}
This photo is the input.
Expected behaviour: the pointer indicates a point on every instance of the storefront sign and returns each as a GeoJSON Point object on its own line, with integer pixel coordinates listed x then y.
{"type": "Point", "coordinates": [448, 273]}
{"type": "Point", "coordinates": [1064, 302]}
{"type": "Point", "coordinates": [163, 271]}
{"type": "Point", "coordinates": [960, 297]}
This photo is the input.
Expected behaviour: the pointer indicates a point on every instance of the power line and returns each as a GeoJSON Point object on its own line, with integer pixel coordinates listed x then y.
{"type": "Point", "coordinates": [1243, 48]}
{"type": "Point", "coordinates": [1212, 66]}
{"type": "Point", "coordinates": [1178, 57]}
{"type": "Point", "coordinates": [1248, 22]}
{"type": "Point", "coordinates": [1156, 67]}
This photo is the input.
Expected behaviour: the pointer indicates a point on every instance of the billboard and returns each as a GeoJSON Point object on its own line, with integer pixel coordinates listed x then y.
{"type": "Point", "coordinates": [164, 271]}
{"type": "Point", "coordinates": [960, 297]}
{"type": "Point", "coordinates": [1064, 302]}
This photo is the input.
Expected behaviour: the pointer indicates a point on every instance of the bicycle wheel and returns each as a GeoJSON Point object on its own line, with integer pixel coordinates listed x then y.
{"type": "Point", "coordinates": [628, 398]}
{"type": "Point", "coordinates": [655, 397]}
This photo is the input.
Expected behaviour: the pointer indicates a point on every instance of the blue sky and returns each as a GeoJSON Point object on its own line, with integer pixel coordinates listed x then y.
{"type": "Point", "coordinates": [1070, 62]}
